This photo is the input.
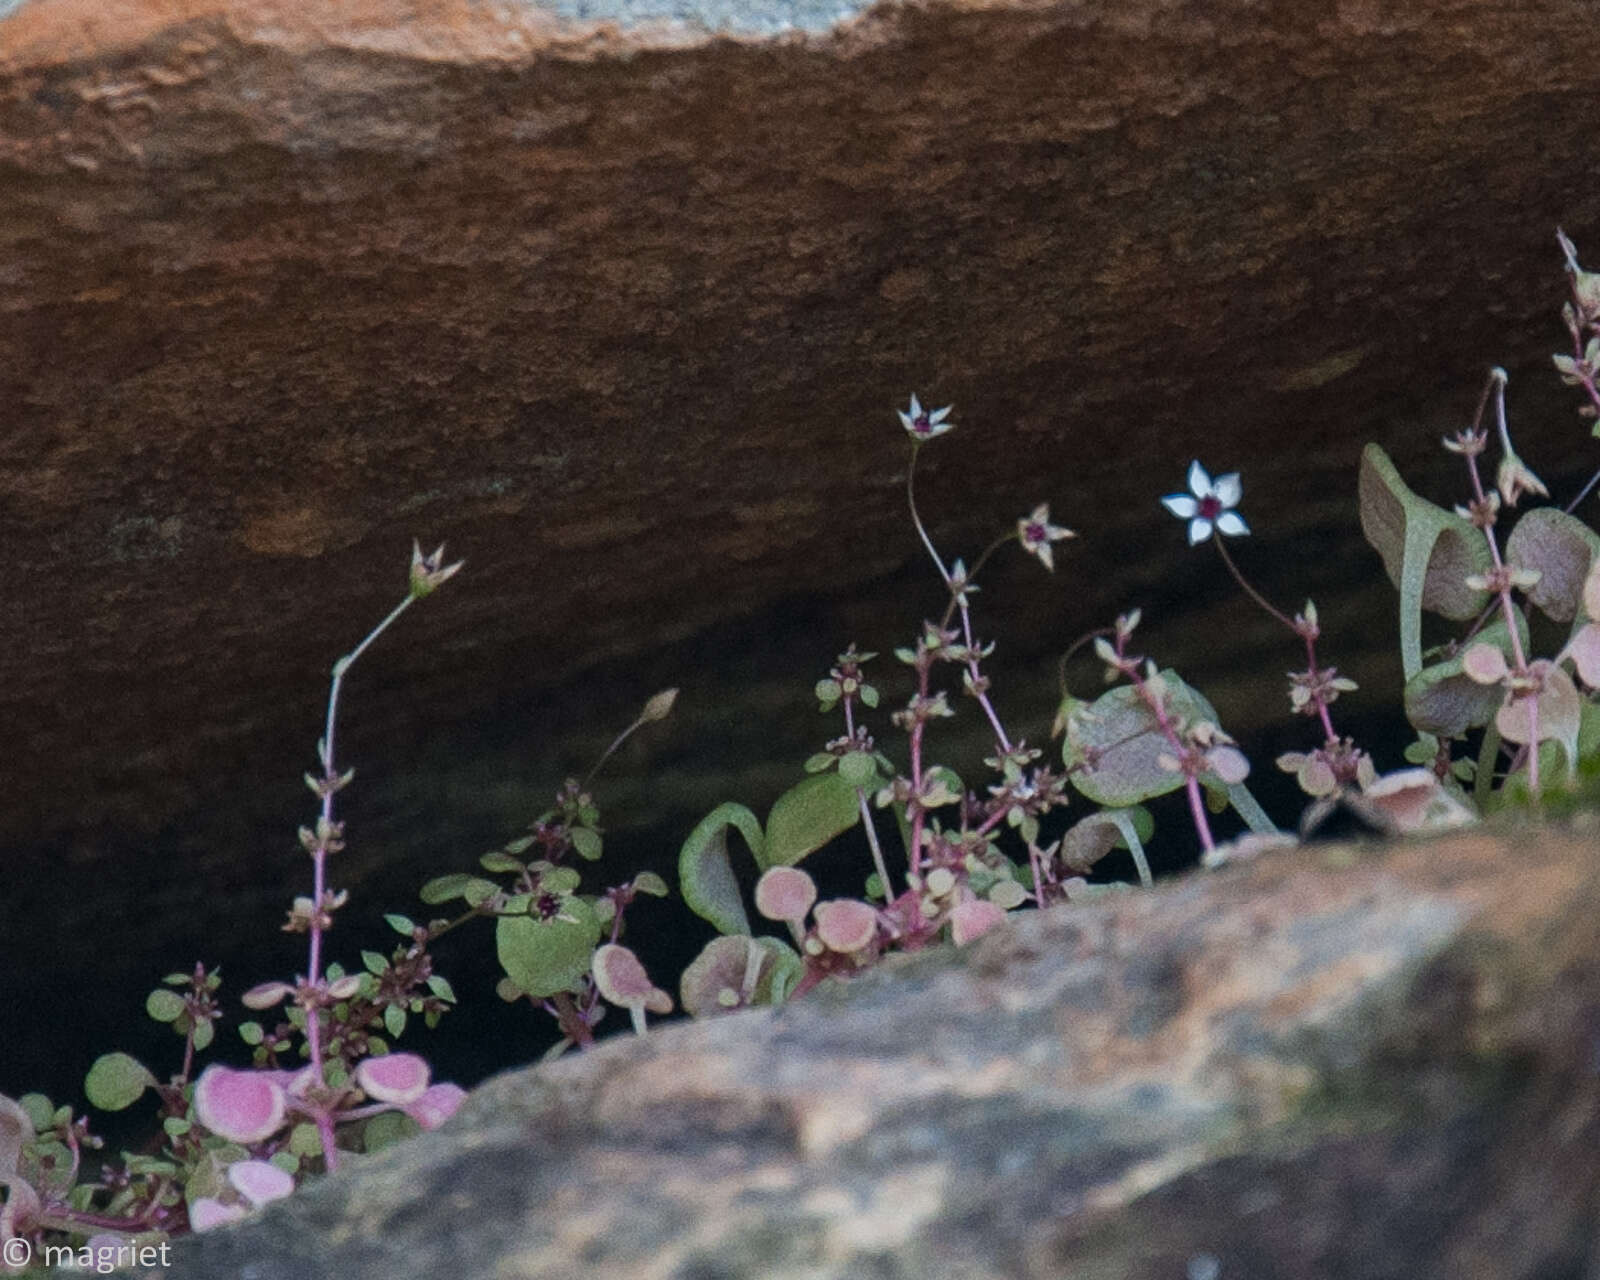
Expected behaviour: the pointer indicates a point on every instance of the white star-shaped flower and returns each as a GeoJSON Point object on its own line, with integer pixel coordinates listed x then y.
{"type": "Point", "coordinates": [920, 424]}
{"type": "Point", "coordinates": [1036, 533]}
{"type": "Point", "coordinates": [1210, 506]}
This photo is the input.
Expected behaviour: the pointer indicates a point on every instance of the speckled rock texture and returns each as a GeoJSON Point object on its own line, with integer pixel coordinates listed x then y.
{"type": "Point", "coordinates": [1338, 1061]}
{"type": "Point", "coordinates": [621, 312]}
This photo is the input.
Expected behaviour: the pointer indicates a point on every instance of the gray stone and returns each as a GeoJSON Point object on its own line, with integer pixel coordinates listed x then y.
{"type": "Point", "coordinates": [1332, 1062]}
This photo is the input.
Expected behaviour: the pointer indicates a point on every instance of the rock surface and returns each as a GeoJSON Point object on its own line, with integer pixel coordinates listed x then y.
{"type": "Point", "coordinates": [1334, 1062]}
{"type": "Point", "coordinates": [621, 312]}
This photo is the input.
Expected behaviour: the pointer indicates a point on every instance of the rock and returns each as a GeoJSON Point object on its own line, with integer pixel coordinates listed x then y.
{"type": "Point", "coordinates": [1368, 1061]}
{"type": "Point", "coordinates": [621, 312]}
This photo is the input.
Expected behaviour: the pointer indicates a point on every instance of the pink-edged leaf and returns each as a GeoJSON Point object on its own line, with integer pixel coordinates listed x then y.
{"type": "Point", "coordinates": [259, 1182]}
{"type": "Point", "coordinates": [622, 980]}
{"type": "Point", "coordinates": [846, 924]}
{"type": "Point", "coordinates": [785, 893]}
{"type": "Point", "coordinates": [1584, 650]}
{"type": "Point", "coordinates": [1484, 663]}
{"type": "Point", "coordinates": [1560, 709]}
{"type": "Point", "coordinates": [16, 1131]}
{"type": "Point", "coordinates": [207, 1213]}
{"type": "Point", "coordinates": [1561, 547]}
{"type": "Point", "coordinates": [1228, 763]}
{"type": "Point", "coordinates": [969, 920]}
{"type": "Point", "coordinates": [393, 1077]}
{"type": "Point", "coordinates": [242, 1106]}
{"type": "Point", "coordinates": [436, 1105]}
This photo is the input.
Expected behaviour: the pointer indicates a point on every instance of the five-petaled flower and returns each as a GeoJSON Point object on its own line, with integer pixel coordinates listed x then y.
{"type": "Point", "coordinates": [1036, 533]}
{"type": "Point", "coordinates": [921, 424]}
{"type": "Point", "coordinates": [1211, 506]}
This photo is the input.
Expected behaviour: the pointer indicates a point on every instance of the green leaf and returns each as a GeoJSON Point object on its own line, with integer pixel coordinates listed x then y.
{"type": "Point", "coordinates": [440, 986]}
{"type": "Point", "coordinates": [251, 1033]}
{"type": "Point", "coordinates": [1561, 547]}
{"type": "Point", "coordinates": [457, 885]}
{"type": "Point", "coordinates": [558, 879]}
{"type": "Point", "coordinates": [546, 956]}
{"type": "Point", "coordinates": [947, 789]}
{"type": "Point", "coordinates": [1443, 700]}
{"type": "Point", "coordinates": [649, 882]}
{"type": "Point", "coordinates": [500, 862]}
{"type": "Point", "coordinates": [817, 763]}
{"type": "Point", "coordinates": [304, 1140]}
{"type": "Point", "coordinates": [115, 1081]}
{"type": "Point", "coordinates": [705, 874]}
{"type": "Point", "coordinates": [164, 1005]}
{"type": "Point", "coordinates": [38, 1109]}
{"type": "Point", "coordinates": [586, 840]}
{"type": "Point", "coordinates": [807, 816]}
{"type": "Point", "coordinates": [1125, 738]}
{"type": "Point", "coordinates": [1428, 552]}
{"type": "Point", "coordinates": [387, 1128]}
{"type": "Point", "coordinates": [204, 1034]}
{"type": "Point", "coordinates": [373, 962]}
{"type": "Point", "coordinates": [859, 769]}
{"type": "Point", "coordinates": [400, 924]}
{"type": "Point", "coordinates": [394, 1020]}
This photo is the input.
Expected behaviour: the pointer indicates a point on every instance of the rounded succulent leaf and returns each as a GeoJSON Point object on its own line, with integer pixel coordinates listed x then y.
{"type": "Point", "coordinates": [846, 924]}
{"type": "Point", "coordinates": [785, 893]}
{"type": "Point", "coordinates": [545, 955]}
{"type": "Point", "coordinates": [393, 1077]}
{"type": "Point", "coordinates": [116, 1080]}
{"type": "Point", "coordinates": [242, 1106]}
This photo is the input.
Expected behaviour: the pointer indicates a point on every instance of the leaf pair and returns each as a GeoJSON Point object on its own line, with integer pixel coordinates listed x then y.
{"type": "Point", "coordinates": [804, 818]}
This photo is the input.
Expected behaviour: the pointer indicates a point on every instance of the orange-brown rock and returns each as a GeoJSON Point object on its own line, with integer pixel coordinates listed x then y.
{"type": "Point", "coordinates": [621, 311]}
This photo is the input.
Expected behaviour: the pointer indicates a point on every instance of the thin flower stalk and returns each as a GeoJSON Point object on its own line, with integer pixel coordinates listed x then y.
{"type": "Point", "coordinates": [878, 864]}
{"type": "Point", "coordinates": [1483, 513]}
{"type": "Point", "coordinates": [1129, 667]}
{"type": "Point", "coordinates": [1208, 509]}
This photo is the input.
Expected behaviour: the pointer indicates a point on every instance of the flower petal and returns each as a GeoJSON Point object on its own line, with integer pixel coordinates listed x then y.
{"type": "Point", "coordinates": [1199, 480]}
{"type": "Point", "coordinates": [1181, 505]}
{"type": "Point", "coordinates": [1199, 531]}
{"type": "Point", "coordinates": [1232, 524]}
{"type": "Point", "coordinates": [1228, 489]}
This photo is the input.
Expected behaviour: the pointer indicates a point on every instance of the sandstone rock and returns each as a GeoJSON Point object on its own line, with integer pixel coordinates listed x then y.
{"type": "Point", "coordinates": [621, 312]}
{"type": "Point", "coordinates": [1335, 1062]}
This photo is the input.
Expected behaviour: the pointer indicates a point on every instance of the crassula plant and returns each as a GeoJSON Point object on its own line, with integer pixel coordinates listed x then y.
{"type": "Point", "coordinates": [966, 856]}
{"type": "Point", "coordinates": [324, 1084]}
